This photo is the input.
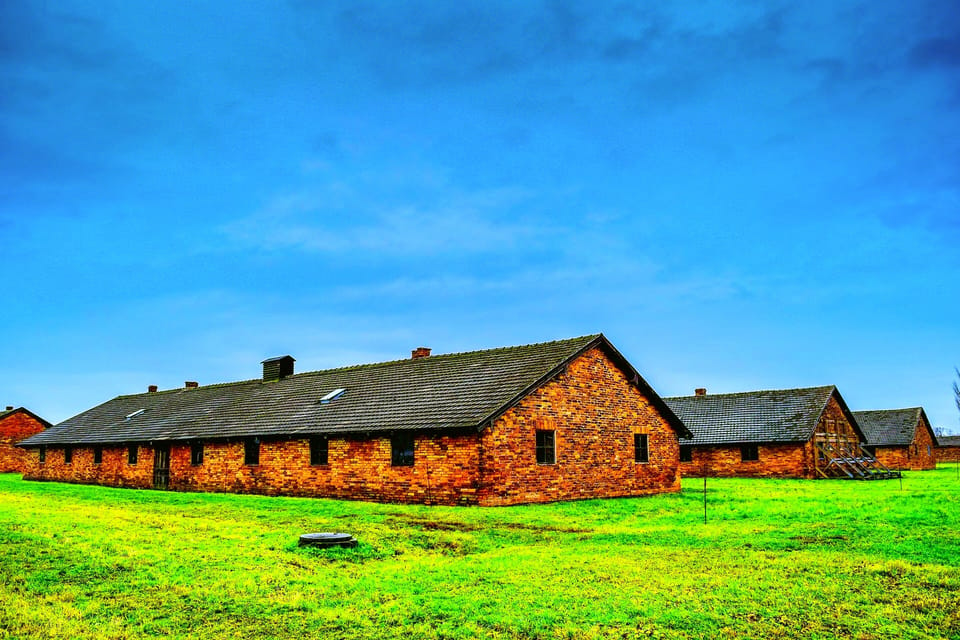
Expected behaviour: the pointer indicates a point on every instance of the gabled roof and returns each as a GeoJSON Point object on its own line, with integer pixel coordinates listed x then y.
{"type": "Point", "coordinates": [784, 415]}
{"type": "Point", "coordinates": [453, 391]}
{"type": "Point", "coordinates": [892, 427]}
{"type": "Point", "coordinates": [4, 414]}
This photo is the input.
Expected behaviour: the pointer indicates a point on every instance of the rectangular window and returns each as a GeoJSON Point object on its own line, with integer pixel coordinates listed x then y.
{"type": "Point", "coordinates": [67, 454]}
{"type": "Point", "coordinates": [686, 453]}
{"type": "Point", "coordinates": [749, 452]}
{"type": "Point", "coordinates": [319, 450]}
{"type": "Point", "coordinates": [132, 452]}
{"type": "Point", "coordinates": [546, 447]}
{"type": "Point", "coordinates": [196, 453]}
{"type": "Point", "coordinates": [97, 455]}
{"type": "Point", "coordinates": [251, 451]}
{"type": "Point", "coordinates": [43, 454]}
{"type": "Point", "coordinates": [401, 450]}
{"type": "Point", "coordinates": [640, 451]}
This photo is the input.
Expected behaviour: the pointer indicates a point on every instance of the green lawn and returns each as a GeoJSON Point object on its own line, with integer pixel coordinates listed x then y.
{"type": "Point", "coordinates": [777, 559]}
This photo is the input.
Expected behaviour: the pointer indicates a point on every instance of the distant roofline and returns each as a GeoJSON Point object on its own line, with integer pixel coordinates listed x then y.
{"type": "Point", "coordinates": [747, 393]}
{"type": "Point", "coordinates": [46, 423]}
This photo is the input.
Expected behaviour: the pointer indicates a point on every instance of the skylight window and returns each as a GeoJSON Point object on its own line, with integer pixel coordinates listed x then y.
{"type": "Point", "coordinates": [134, 414]}
{"type": "Point", "coordinates": [333, 395]}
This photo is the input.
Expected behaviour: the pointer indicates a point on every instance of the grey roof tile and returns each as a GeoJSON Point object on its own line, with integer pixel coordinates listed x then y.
{"type": "Point", "coordinates": [452, 391]}
{"type": "Point", "coordinates": [948, 441]}
{"type": "Point", "coordinates": [785, 415]}
{"type": "Point", "coordinates": [889, 427]}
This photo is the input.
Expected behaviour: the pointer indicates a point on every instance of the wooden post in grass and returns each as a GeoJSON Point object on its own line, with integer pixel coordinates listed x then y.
{"type": "Point", "coordinates": [900, 473]}
{"type": "Point", "coordinates": [704, 493]}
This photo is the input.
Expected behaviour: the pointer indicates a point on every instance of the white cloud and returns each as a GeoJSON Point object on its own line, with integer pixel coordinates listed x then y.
{"type": "Point", "coordinates": [339, 218]}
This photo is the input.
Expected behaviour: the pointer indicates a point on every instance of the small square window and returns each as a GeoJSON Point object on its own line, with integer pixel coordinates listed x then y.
{"type": "Point", "coordinates": [67, 454]}
{"type": "Point", "coordinates": [43, 454]}
{"type": "Point", "coordinates": [319, 450]}
{"type": "Point", "coordinates": [546, 446]}
{"type": "Point", "coordinates": [641, 453]}
{"type": "Point", "coordinates": [97, 455]}
{"type": "Point", "coordinates": [132, 452]}
{"type": "Point", "coordinates": [686, 453]}
{"type": "Point", "coordinates": [401, 449]}
{"type": "Point", "coordinates": [196, 453]}
{"type": "Point", "coordinates": [749, 452]}
{"type": "Point", "coordinates": [251, 451]}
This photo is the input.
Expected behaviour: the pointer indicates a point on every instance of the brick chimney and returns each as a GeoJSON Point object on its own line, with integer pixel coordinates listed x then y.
{"type": "Point", "coordinates": [277, 368]}
{"type": "Point", "coordinates": [152, 388]}
{"type": "Point", "coordinates": [189, 384]}
{"type": "Point", "coordinates": [700, 392]}
{"type": "Point", "coordinates": [420, 352]}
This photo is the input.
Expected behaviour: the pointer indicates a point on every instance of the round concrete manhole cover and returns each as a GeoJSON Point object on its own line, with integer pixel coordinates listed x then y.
{"type": "Point", "coordinates": [327, 540]}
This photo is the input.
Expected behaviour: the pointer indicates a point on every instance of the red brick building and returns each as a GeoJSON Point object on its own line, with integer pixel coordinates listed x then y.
{"type": "Point", "coordinates": [17, 425]}
{"type": "Point", "coordinates": [559, 420]}
{"type": "Point", "coordinates": [787, 433]}
{"type": "Point", "coordinates": [947, 449]}
{"type": "Point", "coordinates": [899, 438]}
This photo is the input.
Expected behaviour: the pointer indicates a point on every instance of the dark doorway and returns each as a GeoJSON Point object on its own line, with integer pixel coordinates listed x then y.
{"type": "Point", "coordinates": [161, 466]}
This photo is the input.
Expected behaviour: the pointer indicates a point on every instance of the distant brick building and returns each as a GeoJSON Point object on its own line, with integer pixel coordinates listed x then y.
{"type": "Point", "coordinates": [900, 438]}
{"type": "Point", "coordinates": [553, 421]}
{"type": "Point", "coordinates": [787, 433]}
{"type": "Point", "coordinates": [17, 425]}
{"type": "Point", "coordinates": [947, 449]}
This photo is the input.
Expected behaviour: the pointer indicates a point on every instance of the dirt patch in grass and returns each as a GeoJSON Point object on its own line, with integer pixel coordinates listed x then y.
{"type": "Point", "coordinates": [819, 539]}
{"type": "Point", "coordinates": [451, 525]}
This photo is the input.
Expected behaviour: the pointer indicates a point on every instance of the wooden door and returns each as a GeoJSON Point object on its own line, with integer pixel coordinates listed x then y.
{"type": "Point", "coordinates": [161, 467]}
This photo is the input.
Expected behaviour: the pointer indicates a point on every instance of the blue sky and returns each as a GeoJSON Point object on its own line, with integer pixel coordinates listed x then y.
{"type": "Point", "coordinates": [739, 197]}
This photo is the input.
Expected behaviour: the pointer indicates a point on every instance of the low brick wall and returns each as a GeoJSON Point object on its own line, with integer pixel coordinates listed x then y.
{"type": "Point", "coordinates": [947, 454]}
{"type": "Point", "coordinates": [358, 469]}
{"type": "Point", "coordinates": [775, 461]}
{"type": "Point", "coordinates": [112, 471]}
{"type": "Point", "coordinates": [15, 427]}
{"type": "Point", "coordinates": [445, 470]}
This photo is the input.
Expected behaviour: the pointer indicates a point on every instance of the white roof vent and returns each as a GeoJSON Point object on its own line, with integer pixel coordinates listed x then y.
{"type": "Point", "coordinates": [134, 414]}
{"type": "Point", "coordinates": [333, 395]}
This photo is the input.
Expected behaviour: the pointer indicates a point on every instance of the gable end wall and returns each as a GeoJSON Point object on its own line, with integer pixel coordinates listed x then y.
{"type": "Point", "coordinates": [16, 427]}
{"type": "Point", "coordinates": [919, 455]}
{"type": "Point", "coordinates": [595, 412]}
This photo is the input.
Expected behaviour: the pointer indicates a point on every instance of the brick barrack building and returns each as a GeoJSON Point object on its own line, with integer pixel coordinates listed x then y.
{"type": "Point", "coordinates": [785, 433]}
{"type": "Point", "coordinates": [900, 438]}
{"type": "Point", "coordinates": [560, 420]}
{"type": "Point", "coordinates": [17, 425]}
{"type": "Point", "coordinates": [947, 449]}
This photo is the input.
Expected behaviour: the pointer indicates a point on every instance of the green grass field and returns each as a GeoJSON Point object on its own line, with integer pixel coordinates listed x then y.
{"type": "Point", "coordinates": [777, 559]}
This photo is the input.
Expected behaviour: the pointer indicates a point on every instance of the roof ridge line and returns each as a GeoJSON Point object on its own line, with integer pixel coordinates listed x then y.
{"type": "Point", "coordinates": [743, 393]}
{"type": "Point", "coordinates": [433, 358]}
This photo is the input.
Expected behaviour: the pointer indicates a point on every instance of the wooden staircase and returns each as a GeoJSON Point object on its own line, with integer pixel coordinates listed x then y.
{"type": "Point", "coordinates": [839, 459]}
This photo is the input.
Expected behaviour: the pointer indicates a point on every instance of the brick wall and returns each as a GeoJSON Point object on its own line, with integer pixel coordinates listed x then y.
{"type": "Point", "coordinates": [775, 461]}
{"type": "Point", "coordinates": [918, 456]}
{"type": "Point", "coordinates": [359, 469]}
{"type": "Point", "coordinates": [595, 412]}
{"type": "Point", "coordinates": [113, 470]}
{"type": "Point", "coordinates": [444, 470]}
{"type": "Point", "coordinates": [15, 427]}
{"type": "Point", "coordinates": [593, 408]}
{"type": "Point", "coordinates": [947, 454]}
